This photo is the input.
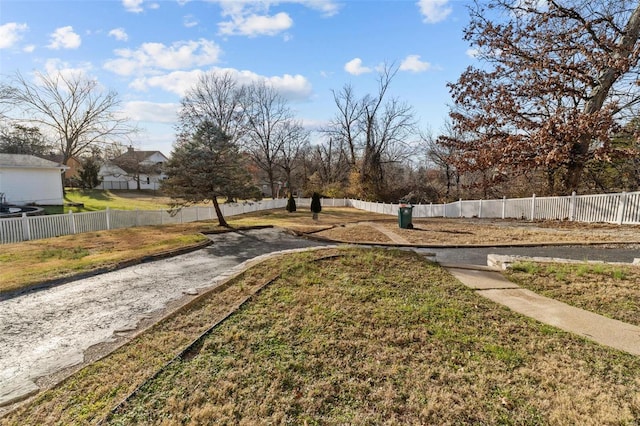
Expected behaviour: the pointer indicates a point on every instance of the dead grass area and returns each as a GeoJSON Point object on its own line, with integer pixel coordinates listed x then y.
{"type": "Point", "coordinates": [350, 336]}
{"type": "Point", "coordinates": [609, 290]}
{"type": "Point", "coordinates": [302, 221]}
{"type": "Point", "coordinates": [32, 262]}
{"type": "Point", "coordinates": [355, 233]}
{"type": "Point", "coordinates": [378, 337]}
{"type": "Point", "coordinates": [89, 395]}
{"type": "Point", "coordinates": [486, 232]}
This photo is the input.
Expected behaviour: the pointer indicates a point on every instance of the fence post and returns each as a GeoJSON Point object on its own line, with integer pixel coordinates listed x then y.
{"type": "Point", "coordinates": [622, 205]}
{"type": "Point", "coordinates": [533, 206]}
{"type": "Point", "coordinates": [160, 211]}
{"type": "Point", "coordinates": [72, 222]}
{"type": "Point", "coordinates": [480, 209]}
{"type": "Point", "coordinates": [572, 207]}
{"type": "Point", "coordinates": [504, 206]}
{"type": "Point", "coordinates": [460, 207]}
{"type": "Point", "coordinates": [108, 218]}
{"type": "Point", "coordinates": [26, 230]}
{"type": "Point", "coordinates": [137, 217]}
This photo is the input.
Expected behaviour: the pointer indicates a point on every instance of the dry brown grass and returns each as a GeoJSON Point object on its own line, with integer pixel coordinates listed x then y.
{"type": "Point", "coordinates": [32, 262]}
{"type": "Point", "coordinates": [302, 221]}
{"type": "Point", "coordinates": [89, 394]}
{"type": "Point", "coordinates": [375, 337]}
{"type": "Point", "coordinates": [609, 290]}
{"type": "Point", "coordinates": [487, 232]}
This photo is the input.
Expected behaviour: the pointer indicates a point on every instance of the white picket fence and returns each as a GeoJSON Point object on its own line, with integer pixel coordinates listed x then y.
{"type": "Point", "coordinates": [623, 208]}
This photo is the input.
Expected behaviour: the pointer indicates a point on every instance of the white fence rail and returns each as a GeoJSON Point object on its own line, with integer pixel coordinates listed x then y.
{"type": "Point", "coordinates": [621, 208]}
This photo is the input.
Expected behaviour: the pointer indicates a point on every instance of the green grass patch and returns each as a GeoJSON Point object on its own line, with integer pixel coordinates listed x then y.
{"type": "Point", "coordinates": [95, 199]}
{"type": "Point", "coordinates": [350, 336]}
{"type": "Point", "coordinates": [379, 337]}
{"type": "Point", "coordinates": [609, 290]}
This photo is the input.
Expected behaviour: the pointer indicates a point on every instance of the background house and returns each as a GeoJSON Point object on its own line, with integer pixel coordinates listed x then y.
{"type": "Point", "coordinates": [26, 179]}
{"type": "Point", "coordinates": [71, 175]}
{"type": "Point", "coordinates": [133, 170]}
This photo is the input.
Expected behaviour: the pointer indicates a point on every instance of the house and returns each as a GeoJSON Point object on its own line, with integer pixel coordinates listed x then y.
{"type": "Point", "coordinates": [133, 170]}
{"type": "Point", "coordinates": [72, 174]}
{"type": "Point", "coordinates": [26, 179]}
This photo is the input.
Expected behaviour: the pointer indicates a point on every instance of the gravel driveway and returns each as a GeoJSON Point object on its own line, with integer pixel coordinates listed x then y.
{"type": "Point", "coordinates": [44, 332]}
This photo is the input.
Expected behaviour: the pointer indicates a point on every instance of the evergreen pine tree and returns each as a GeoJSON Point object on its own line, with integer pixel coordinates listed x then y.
{"type": "Point", "coordinates": [316, 206]}
{"type": "Point", "coordinates": [291, 204]}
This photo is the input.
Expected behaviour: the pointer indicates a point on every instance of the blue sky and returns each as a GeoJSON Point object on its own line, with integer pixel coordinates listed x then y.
{"type": "Point", "coordinates": [150, 52]}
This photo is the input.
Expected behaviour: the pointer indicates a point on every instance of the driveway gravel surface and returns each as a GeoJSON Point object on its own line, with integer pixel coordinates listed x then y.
{"type": "Point", "coordinates": [46, 331]}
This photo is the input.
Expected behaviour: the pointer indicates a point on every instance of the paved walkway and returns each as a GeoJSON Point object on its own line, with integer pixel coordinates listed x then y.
{"type": "Point", "coordinates": [606, 331]}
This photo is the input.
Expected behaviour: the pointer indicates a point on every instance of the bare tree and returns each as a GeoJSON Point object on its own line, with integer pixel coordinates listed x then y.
{"type": "Point", "coordinates": [269, 120]}
{"type": "Point", "coordinates": [376, 130]}
{"type": "Point", "coordinates": [556, 77]}
{"type": "Point", "coordinates": [296, 139]}
{"type": "Point", "coordinates": [72, 108]}
{"type": "Point", "coordinates": [217, 98]}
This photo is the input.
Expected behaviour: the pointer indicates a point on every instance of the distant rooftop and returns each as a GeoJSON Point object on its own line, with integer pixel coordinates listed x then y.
{"type": "Point", "coordinates": [28, 161]}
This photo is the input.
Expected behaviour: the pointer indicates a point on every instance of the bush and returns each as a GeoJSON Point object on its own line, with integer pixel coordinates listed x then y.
{"type": "Point", "coordinates": [316, 206]}
{"type": "Point", "coordinates": [291, 204]}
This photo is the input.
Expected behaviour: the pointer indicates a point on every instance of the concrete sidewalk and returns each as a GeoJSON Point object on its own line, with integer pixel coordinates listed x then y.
{"type": "Point", "coordinates": [603, 330]}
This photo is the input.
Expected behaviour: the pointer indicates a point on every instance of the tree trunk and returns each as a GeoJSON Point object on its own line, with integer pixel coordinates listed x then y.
{"type": "Point", "coordinates": [577, 161]}
{"type": "Point", "coordinates": [216, 206]}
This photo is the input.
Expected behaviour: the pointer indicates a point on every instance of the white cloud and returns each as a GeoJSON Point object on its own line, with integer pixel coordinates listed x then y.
{"type": "Point", "coordinates": [29, 48]}
{"type": "Point", "coordinates": [134, 6]}
{"type": "Point", "coordinates": [414, 64]}
{"type": "Point", "coordinates": [292, 87]}
{"type": "Point", "coordinates": [151, 111]}
{"type": "Point", "coordinates": [472, 52]}
{"type": "Point", "coordinates": [154, 56]}
{"type": "Point", "coordinates": [189, 21]}
{"type": "Point", "coordinates": [327, 7]}
{"type": "Point", "coordinates": [253, 17]}
{"type": "Point", "coordinates": [53, 67]}
{"type": "Point", "coordinates": [178, 82]}
{"type": "Point", "coordinates": [64, 38]}
{"type": "Point", "coordinates": [254, 25]}
{"type": "Point", "coordinates": [355, 67]}
{"type": "Point", "coordinates": [119, 34]}
{"type": "Point", "coordinates": [434, 10]}
{"type": "Point", "coordinates": [10, 34]}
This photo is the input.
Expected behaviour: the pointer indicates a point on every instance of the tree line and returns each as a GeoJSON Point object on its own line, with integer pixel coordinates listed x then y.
{"type": "Point", "coordinates": [549, 107]}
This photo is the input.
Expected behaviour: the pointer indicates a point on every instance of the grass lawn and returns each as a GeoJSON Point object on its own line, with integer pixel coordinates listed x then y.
{"type": "Point", "coordinates": [31, 262]}
{"type": "Point", "coordinates": [95, 199]}
{"type": "Point", "coordinates": [609, 290]}
{"type": "Point", "coordinates": [350, 336]}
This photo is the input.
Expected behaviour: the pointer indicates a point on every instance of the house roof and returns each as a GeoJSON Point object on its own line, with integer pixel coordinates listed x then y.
{"type": "Point", "coordinates": [136, 155]}
{"type": "Point", "coordinates": [131, 160]}
{"type": "Point", "coordinates": [28, 161]}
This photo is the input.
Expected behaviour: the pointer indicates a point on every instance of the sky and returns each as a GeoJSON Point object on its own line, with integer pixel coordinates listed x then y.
{"type": "Point", "coordinates": [150, 52]}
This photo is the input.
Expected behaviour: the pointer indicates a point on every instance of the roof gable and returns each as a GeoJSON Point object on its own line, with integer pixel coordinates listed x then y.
{"type": "Point", "coordinates": [28, 161]}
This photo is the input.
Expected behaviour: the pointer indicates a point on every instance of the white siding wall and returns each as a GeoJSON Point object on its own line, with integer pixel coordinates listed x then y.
{"type": "Point", "coordinates": [32, 185]}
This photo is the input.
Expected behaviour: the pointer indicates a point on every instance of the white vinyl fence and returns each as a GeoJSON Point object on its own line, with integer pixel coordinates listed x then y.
{"type": "Point", "coordinates": [621, 208]}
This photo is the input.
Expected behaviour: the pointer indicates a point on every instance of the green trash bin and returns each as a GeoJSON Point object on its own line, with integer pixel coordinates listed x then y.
{"type": "Point", "coordinates": [404, 216]}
